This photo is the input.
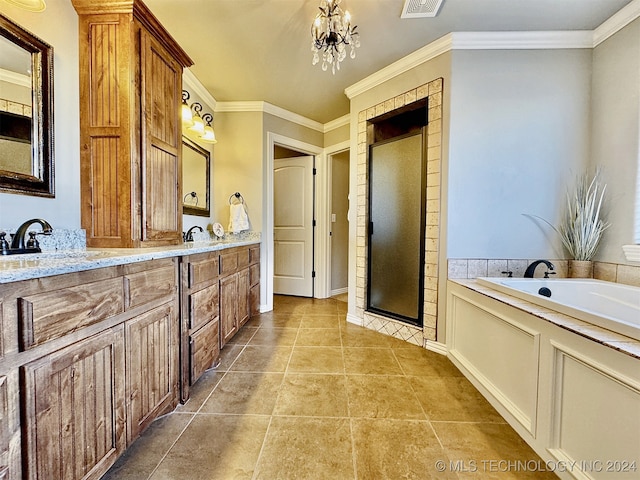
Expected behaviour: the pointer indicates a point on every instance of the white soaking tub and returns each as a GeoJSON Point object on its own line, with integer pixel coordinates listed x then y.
{"type": "Point", "coordinates": [609, 305]}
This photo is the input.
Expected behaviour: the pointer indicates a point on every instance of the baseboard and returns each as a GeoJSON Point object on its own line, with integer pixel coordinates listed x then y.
{"type": "Point", "coordinates": [339, 291]}
{"type": "Point", "coordinates": [353, 319]}
{"type": "Point", "coordinates": [436, 347]}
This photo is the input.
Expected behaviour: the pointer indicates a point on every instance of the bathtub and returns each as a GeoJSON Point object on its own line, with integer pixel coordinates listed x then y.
{"type": "Point", "coordinates": [609, 305]}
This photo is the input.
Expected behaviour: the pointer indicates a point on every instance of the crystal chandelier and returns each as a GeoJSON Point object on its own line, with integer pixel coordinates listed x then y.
{"type": "Point", "coordinates": [331, 32]}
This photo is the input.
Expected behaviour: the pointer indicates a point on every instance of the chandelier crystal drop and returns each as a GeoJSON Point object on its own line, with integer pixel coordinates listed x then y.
{"type": "Point", "coordinates": [331, 34]}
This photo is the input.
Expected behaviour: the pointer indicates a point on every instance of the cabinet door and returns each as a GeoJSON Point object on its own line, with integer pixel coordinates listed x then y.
{"type": "Point", "coordinates": [228, 308]}
{"type": "Point", "coordinates": [204, 349]}
{"type": "Point", "coordinates": [152, 347]}
{"type": "Point", "coordinates": [243, 297]}
{"type": "Point", "coordinates": [74, 409]}
{"type": "Point", "coordinates": [161, 161]}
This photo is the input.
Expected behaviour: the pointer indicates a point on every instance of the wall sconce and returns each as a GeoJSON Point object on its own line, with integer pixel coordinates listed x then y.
{"type": "Point", "coordinates": [208, 136]}
{"type": "Point", "coordinates": [185, 110]}
{"type": "Point", "coordinates": [194, 122]}
{"type": "Point", "coordinates": [197, 124]}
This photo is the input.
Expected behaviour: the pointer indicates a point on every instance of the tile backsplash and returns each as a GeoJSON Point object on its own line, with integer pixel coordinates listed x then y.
{"type": "Point", "coordinates": [479, 267]}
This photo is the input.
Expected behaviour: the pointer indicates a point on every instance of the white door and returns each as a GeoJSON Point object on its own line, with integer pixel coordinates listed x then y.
{"type": "Point", "coordinates": [293, 226]}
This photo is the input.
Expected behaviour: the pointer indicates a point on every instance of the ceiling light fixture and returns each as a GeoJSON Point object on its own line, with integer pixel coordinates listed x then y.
{"type": "Point", "coordinates": [331, 32]}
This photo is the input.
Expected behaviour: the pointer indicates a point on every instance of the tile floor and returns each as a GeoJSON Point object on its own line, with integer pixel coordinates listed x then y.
{"type": "Point", "coordinates": [301, 394]}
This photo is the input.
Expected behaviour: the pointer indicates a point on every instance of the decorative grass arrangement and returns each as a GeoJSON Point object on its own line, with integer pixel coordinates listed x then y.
{"type": "Point", "coordinates": [582, 225]}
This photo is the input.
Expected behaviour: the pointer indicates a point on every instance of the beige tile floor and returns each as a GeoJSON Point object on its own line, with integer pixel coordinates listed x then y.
{"type": "Point", "coordinates": [301, 394]}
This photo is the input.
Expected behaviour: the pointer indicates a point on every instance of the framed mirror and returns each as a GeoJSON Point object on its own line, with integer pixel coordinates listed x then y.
{"type": "Point", "coordinates": [196, 168]}
{"type": "Point", "coordinates": [26, 112]}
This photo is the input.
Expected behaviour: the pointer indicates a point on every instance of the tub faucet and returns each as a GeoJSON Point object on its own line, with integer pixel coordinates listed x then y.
{"type": "Point", "coordinates": [188, 237]}
{"type": "Point", "coordinates": [532, 268]}
{"type": "Point", "coordinates": [18, 243]}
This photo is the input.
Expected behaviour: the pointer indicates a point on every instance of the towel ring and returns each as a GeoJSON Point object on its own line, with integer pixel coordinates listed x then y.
{"type": "Point", "coordinates": [237, 196]}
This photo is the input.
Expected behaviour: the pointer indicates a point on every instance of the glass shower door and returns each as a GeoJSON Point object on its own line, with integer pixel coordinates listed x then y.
{"type": "Point", "coordinates": [397, 196]}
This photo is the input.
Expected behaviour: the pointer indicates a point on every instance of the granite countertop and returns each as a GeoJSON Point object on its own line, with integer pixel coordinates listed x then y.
{"type": "Point", "coordinates": [605, 337]}
{"type": "Point", "coordinates": [14, 268]}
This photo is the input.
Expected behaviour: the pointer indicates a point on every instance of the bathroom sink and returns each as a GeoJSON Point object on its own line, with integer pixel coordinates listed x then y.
{"type": "Point", "coordinates": [68, 254]}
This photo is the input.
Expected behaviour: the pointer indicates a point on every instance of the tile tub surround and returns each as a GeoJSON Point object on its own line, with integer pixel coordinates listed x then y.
{"type": "Point", "coordinates": [297, 396]}
{"type": "Point", "coordinates": [461, 268]}
{"type": "Point", "coordinates": [433, 92]}
{"type": "Point", "coordinates": [14, 268]}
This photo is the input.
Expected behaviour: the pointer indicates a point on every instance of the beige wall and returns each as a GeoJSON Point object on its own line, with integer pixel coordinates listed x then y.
{"type": "Point", "coordinates": [238, 165]}
{"type": "Point", "coordinates": [337, 135]}
{"type": "Point", "coordinates": [616, 136]}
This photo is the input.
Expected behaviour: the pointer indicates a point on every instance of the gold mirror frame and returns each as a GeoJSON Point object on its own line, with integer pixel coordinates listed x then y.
{"type": "Point", "coordinates": [198, 160]}
{"type": "Point", "coordinates": [41, 180]}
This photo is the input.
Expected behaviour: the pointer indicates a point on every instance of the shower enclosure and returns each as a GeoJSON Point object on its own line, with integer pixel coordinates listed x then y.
{"type": "Point", "coordinates": [397, 210]}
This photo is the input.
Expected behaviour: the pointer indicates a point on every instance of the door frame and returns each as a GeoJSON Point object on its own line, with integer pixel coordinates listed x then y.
{"type": "Point", "coordinates": [320, 232]}
{"type": "Point", "coordinates": [329, 153]}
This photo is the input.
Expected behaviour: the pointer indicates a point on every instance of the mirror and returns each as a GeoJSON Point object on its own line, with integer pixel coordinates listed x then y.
{"type": "Point", "coordinates": [26, 112]}
{"type": "Point", "coordinates": [196, 164]}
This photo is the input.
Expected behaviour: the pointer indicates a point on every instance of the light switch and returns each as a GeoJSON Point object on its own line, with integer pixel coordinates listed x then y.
{"type": "Point", "coordinates": [333, 218]}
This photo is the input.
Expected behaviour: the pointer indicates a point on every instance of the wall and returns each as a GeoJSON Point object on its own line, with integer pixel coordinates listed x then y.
{"type": "Point", "coordinates": [336, 135]}
{"type": "Point", "coordinates": [519, 134]}
{"type": "Point", "coordinates": [616, 136]}
{"type": "Point", "coordinates": [238, 165]}
{"type": "Point", "coordinates": [339, 228]}
{"type": "Point", "coordinates": [63, 211]}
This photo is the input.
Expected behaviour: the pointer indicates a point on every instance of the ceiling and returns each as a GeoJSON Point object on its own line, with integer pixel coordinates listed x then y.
{"type": "Point", "coordinates": [260, 50]}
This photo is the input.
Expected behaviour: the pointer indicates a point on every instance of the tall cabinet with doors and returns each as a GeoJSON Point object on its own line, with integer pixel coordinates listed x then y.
{"type": "Point", "coordinates": [130, 133]}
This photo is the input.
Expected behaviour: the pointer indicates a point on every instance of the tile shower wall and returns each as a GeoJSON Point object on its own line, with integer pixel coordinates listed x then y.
{"type": "Point", "coordinates": [433, 92]}
{"type": "Point", "coordinates": [476, 267]}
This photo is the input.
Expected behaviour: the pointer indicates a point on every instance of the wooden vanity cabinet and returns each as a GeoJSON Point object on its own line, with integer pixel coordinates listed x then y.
{"type": "Point", "coordinates": [236, 289]}
{"type": "Point", "coordinates": [130, 130]}
{"type": "Point", "coordinates": [199, 316]}
{"type": "Point", "coordinates": [77, 388]}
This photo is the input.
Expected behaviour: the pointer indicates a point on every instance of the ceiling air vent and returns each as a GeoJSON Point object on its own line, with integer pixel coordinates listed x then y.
{"type": "Point", "coordinates": [420, 8]}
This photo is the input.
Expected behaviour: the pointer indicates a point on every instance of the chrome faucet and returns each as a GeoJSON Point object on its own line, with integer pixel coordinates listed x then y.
{"type": "Point", "coordinates": [532, 268]}
{"type": "Point", "coordinates": [188, 237]}
{"type": "Point", "coordinates": [18, 244]}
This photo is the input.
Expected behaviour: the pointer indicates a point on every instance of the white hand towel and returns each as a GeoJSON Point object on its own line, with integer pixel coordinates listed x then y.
{"type": "Point", "coordinates": [238, 218]}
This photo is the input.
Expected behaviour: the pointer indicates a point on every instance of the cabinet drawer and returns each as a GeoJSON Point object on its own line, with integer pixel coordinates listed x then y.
{"type": "Point", "coordinates": [203, 306]}
{"type": "Point", "coordinates": [203, 270]}
{"type": "Point", "coordinates": [45, 316]}
{"type": "Point", "coordinates": [204, 346]}
{"type": "Point", "coordinates": [243, 257]}
{"type": "Point", "coordinates": [254, 254]}
{"type": "Point", "coordinates": [144, 287]}
{"type": "Point", "coordinates": [254, 274]}
{"type": "Point", "coordinates": [228, 263]}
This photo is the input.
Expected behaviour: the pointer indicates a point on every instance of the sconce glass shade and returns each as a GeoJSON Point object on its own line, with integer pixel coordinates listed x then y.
{"type": "Point", "coordinates": [208, 136]}
{"type": "Point", "coordinates": [197, 125]}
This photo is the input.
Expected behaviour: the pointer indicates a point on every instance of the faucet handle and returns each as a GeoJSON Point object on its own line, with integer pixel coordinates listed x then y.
{"type": "Point", "coordinates": [4, 245]}
{"type": "Point", "coordinates": [508, 273]}
{"type": "Point", "coordinates": [547, 273]}
{"type": "Point", "coordinates": [32, 242]}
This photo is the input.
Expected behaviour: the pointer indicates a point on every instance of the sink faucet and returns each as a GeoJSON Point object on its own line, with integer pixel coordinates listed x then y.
{"type": "Point", "coordinates": [188, 237]}
{"type": "Point", "coordinates": [532, 268]}
{"type": "Point", "coordinates": [17, 242]}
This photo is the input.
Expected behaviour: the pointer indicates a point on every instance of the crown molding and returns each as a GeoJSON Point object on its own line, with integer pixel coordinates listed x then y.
{"type": "Point", "coordinates": [616, 23]}
{"type": "Point", "coordinates": [521, 40]}
{"type": "Point", "coordinates": [337, 123]}
{"type": "Point", "coordinates": [432, 50]}
{"type": "Point", "coordinates": [266, 107]}
{"type": "Point", "coordinates": [474, 41]}
{"type": "Point", "coordinates": [15, 78]}
{"type": "Point", "coordinates": [192, 82]}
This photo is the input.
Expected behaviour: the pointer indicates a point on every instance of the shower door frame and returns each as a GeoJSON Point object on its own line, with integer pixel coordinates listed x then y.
{"type": "Point", "coordinates": [418, 322]}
